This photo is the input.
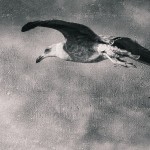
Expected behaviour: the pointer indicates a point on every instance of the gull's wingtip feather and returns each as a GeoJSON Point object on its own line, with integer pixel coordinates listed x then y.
{"type": "Point", "coordinates": [25, 27]}
{"type": "Point", "coordinates": [29, 26]}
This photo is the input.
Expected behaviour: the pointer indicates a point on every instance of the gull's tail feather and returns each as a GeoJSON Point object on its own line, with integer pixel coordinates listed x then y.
{"type": "Point", "coordinates": [136, 57]}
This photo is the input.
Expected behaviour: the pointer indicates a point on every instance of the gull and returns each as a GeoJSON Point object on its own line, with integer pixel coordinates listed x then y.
{"type": "Point", "coordinates": [83, 45]}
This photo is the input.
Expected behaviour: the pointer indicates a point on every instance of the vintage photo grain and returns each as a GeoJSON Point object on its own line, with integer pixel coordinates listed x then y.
{"type": "Point", "coordinates": [74, 75]}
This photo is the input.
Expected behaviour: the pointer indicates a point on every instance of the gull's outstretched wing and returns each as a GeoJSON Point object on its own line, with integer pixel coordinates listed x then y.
{"type": "Point", "coordinates": [68, 29]}
{"type": "Point", "coordinates": [80, 38]}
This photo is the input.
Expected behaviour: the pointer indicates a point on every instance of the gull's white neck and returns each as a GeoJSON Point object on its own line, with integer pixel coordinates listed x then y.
{"type": "Point", "coordinates": [60, 52]}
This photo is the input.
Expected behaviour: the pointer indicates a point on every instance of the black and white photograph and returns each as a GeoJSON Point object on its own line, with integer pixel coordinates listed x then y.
{"type": "Point", "coordinates": [75, 75]}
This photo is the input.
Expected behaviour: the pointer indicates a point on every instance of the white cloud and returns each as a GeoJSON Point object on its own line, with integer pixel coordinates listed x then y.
{"type": "Point", "coordinates": [140, 16]}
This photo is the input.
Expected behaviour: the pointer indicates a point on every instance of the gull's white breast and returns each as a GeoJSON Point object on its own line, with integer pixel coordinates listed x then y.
{"type": "Point", "coordinates": [61, 53]}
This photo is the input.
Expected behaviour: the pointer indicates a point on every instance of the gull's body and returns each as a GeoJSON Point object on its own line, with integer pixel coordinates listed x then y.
{"type": "Point", "coordinates": [59, 51]}
{"type": "Point", "coordinates": [83, 45]}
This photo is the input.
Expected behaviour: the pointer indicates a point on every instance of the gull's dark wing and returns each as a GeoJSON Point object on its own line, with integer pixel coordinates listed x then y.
{"type": "Point", "coordinates": [80, 38]}
{"type": "Point", "coordinates": [133, 47]}
{"type": "Point", "coordinates": [68, 29]}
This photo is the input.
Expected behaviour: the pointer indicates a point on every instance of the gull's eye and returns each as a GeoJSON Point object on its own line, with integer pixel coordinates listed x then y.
{"type": "Point", "coordinates": [47, 50]}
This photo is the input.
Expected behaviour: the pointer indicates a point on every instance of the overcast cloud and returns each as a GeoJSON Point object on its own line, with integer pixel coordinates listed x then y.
{"type": "Point", "coordinates": [62, 105]}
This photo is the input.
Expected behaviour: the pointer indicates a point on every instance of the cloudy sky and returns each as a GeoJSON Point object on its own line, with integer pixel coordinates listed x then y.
{"type": "Point", "coordinates": [62, 105]}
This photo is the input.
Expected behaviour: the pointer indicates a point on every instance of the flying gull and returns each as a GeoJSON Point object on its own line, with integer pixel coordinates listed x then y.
{"type": "Point", "coordinates": [83, 45]}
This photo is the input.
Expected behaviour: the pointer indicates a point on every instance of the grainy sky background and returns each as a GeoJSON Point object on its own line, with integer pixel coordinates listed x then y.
{"type": "Point", "coordinates": [58, 105]}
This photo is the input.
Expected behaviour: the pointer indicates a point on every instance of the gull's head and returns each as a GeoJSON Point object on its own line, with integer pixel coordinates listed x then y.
{"type": "Point", "coordinates": [50, 51]}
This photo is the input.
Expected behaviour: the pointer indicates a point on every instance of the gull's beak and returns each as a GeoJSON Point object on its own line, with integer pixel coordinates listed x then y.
{"type": "Point", "coordinates": [39, 59]}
